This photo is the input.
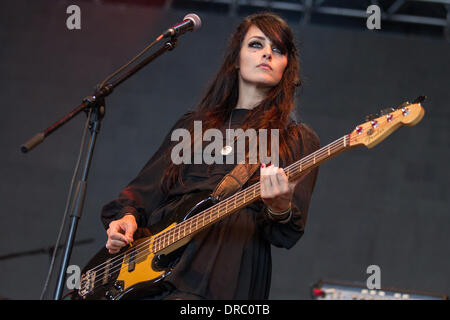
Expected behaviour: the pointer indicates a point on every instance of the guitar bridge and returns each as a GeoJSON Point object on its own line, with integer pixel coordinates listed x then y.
{"type": "Point", "coordinates": [87, 283]}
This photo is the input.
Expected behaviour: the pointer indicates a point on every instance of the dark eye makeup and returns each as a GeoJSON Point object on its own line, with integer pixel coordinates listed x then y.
{"type": "Point", "coordinates": [258, 44]}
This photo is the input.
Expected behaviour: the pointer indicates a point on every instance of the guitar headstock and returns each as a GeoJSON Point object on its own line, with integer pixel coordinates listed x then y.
{"type": "Point", "coordinates": [376, 130]}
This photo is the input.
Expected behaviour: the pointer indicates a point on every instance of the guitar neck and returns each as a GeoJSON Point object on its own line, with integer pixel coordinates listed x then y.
{"type": "Point", "coordinates": [297, 169]}
{"type": "Point", "coordinates": [245, 197]}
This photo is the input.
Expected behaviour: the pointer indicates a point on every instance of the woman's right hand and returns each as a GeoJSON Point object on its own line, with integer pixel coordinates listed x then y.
{"type": "Point", "coordinates": [120, 233]}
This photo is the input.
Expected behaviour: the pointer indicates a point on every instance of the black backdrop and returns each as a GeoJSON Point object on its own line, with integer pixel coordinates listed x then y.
{"type": "Point", "coordinates": [385, 206]}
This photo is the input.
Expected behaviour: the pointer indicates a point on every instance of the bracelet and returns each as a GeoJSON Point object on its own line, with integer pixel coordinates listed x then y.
{"type": "Point", "coordinates": [279, 216]}
{"type": "Point", "coordinates": [278, 213]}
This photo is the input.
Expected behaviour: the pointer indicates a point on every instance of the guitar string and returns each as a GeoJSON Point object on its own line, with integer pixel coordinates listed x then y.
{"type": "Point", "coordinates": [140, 253]}
{"type": "Point", "coordinates": [326, 149]}
{"type": "Point", "coordinates": [222, 203]}
{"type": "Point", "coordinates": [331, 146]}
{"type": "Point", "coordinates": [170, 232]}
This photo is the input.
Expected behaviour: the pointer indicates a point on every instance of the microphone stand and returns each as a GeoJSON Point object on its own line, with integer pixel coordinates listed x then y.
{"type": "Point", "coordinates": [95, 107]}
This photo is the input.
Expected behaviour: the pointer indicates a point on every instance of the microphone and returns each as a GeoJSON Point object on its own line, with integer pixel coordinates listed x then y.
{"type": "Point", "coordinates": [191, 22]}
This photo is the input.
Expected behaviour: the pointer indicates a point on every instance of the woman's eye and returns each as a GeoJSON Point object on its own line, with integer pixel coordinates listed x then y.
{"type": "Point", "coordinates": [259, 45]}
{"type": "Point", "coordinates": [255, 44]}
{"type": "Point", "coordinates": [275, 49]}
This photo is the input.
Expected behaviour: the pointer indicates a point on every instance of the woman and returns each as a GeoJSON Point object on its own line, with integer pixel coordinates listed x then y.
{"type": "Point", "coordinates": [254, 88]}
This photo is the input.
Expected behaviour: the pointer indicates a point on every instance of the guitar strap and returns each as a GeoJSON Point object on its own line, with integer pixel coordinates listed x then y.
{"type": "Point", "coordinates": [234, 180]}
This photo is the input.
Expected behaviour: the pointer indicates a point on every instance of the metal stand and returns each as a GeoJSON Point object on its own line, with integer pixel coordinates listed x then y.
{"type": "Point", "coordinates": [95, 106]}
{"type": "Point", "coordinates": [98, 111]}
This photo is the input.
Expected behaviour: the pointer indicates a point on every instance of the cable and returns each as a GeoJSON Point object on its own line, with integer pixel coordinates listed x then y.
{"type": "Point", "coordinates": [68, 201]}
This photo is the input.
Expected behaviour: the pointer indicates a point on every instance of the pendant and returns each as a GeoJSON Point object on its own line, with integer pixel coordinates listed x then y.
{"type": "Point", "coordinates": [226, 150]}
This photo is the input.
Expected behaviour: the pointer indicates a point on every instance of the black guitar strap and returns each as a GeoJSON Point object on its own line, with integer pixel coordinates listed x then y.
{"type": "Point", "coordinates": [234, 180]}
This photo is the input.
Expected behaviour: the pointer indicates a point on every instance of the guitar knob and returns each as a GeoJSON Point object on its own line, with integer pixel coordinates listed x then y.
{"type": "Point", "coordinates": [118, 285]}
{"type": "Point", "coordinates": [109, 295]}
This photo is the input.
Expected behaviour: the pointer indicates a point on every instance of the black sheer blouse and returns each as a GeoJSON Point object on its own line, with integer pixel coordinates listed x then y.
{"type": "Point", "coordinates": [232, 258]}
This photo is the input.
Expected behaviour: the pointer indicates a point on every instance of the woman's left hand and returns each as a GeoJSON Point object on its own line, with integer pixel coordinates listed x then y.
{"type": "Point", "coordinates": [276, 189]}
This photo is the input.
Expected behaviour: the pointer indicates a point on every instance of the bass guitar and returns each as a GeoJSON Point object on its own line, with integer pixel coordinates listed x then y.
{"type": "Point", "coordinates": [143, 265]}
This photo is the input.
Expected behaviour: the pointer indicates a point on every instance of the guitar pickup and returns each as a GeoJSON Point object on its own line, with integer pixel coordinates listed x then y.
{"type": "Point", "coordinates": [132, 260]}
{"type": "Point", "coordinates": [105, 279]}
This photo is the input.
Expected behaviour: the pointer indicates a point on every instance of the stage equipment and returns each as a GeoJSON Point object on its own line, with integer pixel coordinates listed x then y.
{"type": "Point", "coordinates": [339, 290]}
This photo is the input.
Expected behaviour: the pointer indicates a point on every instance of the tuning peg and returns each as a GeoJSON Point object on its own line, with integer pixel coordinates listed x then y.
{"type": "Point", "coordinates": [404, 104]}
{"type": "Point", "coordinates": [420, 99]}
{"type": "Point", "coordinates": [370, 117]}
{"type": "Point", "coordinates": [386, 111]}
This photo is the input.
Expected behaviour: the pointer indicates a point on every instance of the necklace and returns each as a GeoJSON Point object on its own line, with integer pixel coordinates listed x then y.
{"type": "Point", "coordinates": [226, 150]}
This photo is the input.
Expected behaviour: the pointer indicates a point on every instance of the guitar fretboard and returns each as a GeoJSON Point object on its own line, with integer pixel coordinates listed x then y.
{"type": "Point", "coordinates": [244, 197]}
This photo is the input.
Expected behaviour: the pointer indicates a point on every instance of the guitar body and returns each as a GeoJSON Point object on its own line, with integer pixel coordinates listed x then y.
{"type": "Point", "coordinates": [136, 272]}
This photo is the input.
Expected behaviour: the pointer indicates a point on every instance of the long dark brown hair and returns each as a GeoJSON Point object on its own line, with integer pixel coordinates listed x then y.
{"type": "Point", "coordinates": [222, 95]}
